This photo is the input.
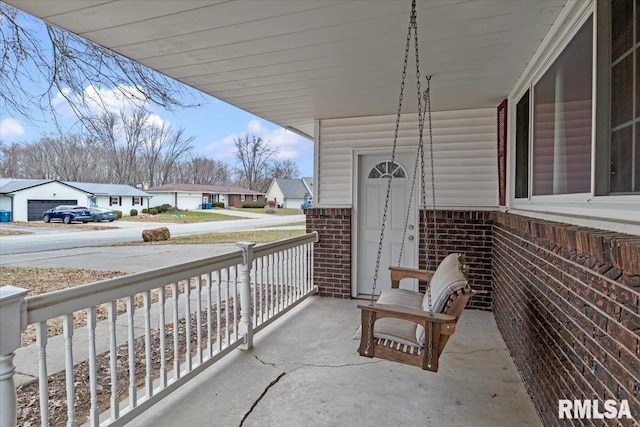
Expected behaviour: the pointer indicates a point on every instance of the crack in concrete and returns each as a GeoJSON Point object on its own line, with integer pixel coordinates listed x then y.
{"type": "Point", "coordinates": [26, 375]}
{"type": "Point", "coordinates": [264, 392]}
{"type": "Point", "coordinates": [484, 350]}
{"type": "Point", "coordinates": [265, 363]}
{"type": "Point", "coordinates": [345, 365]}
{"type": "Point", "coordinates": [313, 365]}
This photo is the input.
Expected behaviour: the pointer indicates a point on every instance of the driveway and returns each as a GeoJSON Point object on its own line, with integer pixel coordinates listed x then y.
{"type": "Point", "coordinates": [44, 240]}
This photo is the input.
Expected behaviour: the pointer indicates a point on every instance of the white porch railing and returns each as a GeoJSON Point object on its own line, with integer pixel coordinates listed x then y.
{"type": "Point", "coordinates": [150, 332]}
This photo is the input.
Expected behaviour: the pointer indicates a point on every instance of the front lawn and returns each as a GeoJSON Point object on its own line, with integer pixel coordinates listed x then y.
{"type": "Point", "coordinates": [257, 236]}
{"type": "Point", "coordinates": [181, 217]}
{"type": "Point", "coordinates": [278, 211]}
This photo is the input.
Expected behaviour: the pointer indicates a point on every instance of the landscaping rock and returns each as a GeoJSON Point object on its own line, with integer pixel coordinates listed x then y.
{"type": "Point", "coordinates": [156, 234]}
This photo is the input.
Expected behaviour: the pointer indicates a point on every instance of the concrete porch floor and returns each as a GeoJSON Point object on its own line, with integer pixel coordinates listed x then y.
{"type": "Point", "coordinates": [304, 371]}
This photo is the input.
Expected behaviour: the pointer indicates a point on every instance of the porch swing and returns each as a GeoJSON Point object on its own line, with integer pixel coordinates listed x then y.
{"type": "Point", "coordinates": [407, 326]}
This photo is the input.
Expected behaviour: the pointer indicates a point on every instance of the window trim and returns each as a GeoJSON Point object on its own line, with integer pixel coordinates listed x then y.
{"type": "Point", "coordinates": [558, 51]}
{"type": "Point", "coordinates": [596, 208]}
{"type": "Point", "coordinates": [243, 197]}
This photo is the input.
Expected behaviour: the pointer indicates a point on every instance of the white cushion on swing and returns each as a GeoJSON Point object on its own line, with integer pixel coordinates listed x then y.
{"type": "Point", "coordinates": [398, 330]}
{"type": "Point", "coordinates": [448, 278]}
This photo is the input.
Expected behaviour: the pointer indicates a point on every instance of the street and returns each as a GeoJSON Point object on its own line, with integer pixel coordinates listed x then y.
{"type": "Point", "coordinates": [44, 240]}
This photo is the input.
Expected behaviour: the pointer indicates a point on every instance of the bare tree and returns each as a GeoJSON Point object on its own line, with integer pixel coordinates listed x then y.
{"type": "Point", "coordinates": [202, 170]}
{"type": "Point", "coordinates": [284, 169]}
{"type": "Point", "coordinates": [253, 155]}
{"type": "Point", "coordinates": [121, 137]}
{"type": "Point", "coordinates": [163, 149]}
{"type": "Point", "coordinates": [11, 160]}
{"type": "Point", "coordinates": [69, 64]}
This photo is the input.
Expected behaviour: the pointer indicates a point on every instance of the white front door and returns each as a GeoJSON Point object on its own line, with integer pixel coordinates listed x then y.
{"type": "Point", "coordinates": [373, 171]}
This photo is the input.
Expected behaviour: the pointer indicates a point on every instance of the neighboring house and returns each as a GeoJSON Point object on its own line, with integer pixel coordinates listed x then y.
{"type": "Point", "coordinates": [27, 199]}
{"type": "Point", "coordinates": [290, 193]}
{"type": "Point", "coordinates": [196, 196]}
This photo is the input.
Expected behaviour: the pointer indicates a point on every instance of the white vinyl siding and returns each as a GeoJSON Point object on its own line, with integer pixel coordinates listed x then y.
{"type": "Point", "coordinates": [48, 191]}
{"type": "Point", "coordinates": [464, 145]}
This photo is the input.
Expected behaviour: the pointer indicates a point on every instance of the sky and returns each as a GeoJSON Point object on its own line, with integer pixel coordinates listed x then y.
{"type": "Point", "coordinates": [214, 124]}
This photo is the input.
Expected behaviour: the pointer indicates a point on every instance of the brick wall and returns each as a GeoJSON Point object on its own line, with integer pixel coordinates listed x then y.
{"type": "Point", "coordinates": [469, 232]}
{"type": "Point", "coordinates": [567, 301]}
{"type": "Point", "coordinates": [458, 231]}
{"type": "Point", "coordinates": [235, 201]}
{"type": "Point", "coordinates": [332, 254]}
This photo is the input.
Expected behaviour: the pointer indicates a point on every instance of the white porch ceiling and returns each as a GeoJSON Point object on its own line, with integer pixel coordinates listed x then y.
{"type": "Point", "coordinates": [291, 62]}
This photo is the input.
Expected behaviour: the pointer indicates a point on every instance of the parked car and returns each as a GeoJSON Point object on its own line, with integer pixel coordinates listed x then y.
{"type": "Point", "coordinates": [306, 205]}
{"type": "Point", "coordinates": [67, 214]}
{"type": "Point", "coordinates": [102, 214]}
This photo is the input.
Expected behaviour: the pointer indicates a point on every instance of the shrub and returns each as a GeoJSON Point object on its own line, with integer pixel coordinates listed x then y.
{"type": "Point", "coordinates": [253, 205]}
{"type": "Point", "coordinates": [133, 212]}
{"type": "Point", "coordinates": [118, 213]}
{"type": "Point", "coordinates": [153, 211]}
{"type": "Point", "coordinates": [218, 204]}
{"type": "Point", "coordinates": [145, 210]}
{"type": "Point", "coordinates": [165, 207]}
{"type": "Point", "coordinates": [271, 203]}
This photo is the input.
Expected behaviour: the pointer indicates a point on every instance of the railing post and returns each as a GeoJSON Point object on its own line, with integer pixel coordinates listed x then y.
{"type": "Point", "coordinates": [246, 326]}
{"type": "Point", "coordinates": [12, 321]}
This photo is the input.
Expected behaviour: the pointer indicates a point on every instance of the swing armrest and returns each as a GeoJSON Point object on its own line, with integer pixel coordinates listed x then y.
{"type": "Point", "coordinates": [399, 273]}
{"type": "Point", "coordinates": [404, 313]}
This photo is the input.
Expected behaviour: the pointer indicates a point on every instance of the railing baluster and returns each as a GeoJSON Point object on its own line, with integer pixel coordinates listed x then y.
{"type": "Point", "coordinates": [277, 270]}
{"type": "Point", "coordinates": [300, 271]}
{"type": "Point", "coordinates": [311, 266]}
{"type": "Point", "coordinates": [262, 293]}
{"type": "Point", "coordinates": [218, 310]}
{"type": "Point", "coordinates": [199, 319]}
{"type": "Point", "coordinates": [292, 275]}
{"type": "Point", "coordinates": [236, 301]}
{"type": "Point", "coordinates": [271, 273]}
{"type": "Point", "coordinates": [148, 380]}
{"type": "Point", "coordinates": [281, 270]}
{"type": "Point", "coordinates": [133, 400]}
{"type": "Point", "coordinates": [163, 341]}
{"type": "Point", "coordinates": [285, 278]}
{"type": "Point", "coordinates": [67, 327]}
{"type": "Point", "coordinates": [187, 319]}
{"type": "Point", "coordinates": [41, 341]}
{"type": "Point", "coordinates": [176, 337]}
{"type": "Point", "coordinates": [296, 281]}
{"type": "Point", "coordinates": [289, 275]}
{"type": "Point", "coordinates": [254, 271]}
{"type": "Point", "coordinates": [227, 333]}
{"type": "Point", "coordinates": [94, 413]}
{"type": "Point", "coordinates": [113, 360]}
{"type": "Point", "coordinates": [209, 320]}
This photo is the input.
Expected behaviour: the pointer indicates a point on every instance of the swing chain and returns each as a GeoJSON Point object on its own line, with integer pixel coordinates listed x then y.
{"type": "Point", "coordinates": [427, 98]}
{"type": "Point", "coordinates": [412, 24]}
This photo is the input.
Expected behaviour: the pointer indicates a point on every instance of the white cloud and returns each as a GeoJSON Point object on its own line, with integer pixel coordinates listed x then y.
{"type": "Point", "coordinates": [95, 100]}
{"type": "Point", "coordinates": [290, 145]}
{"type": "Point", "coordinates": [11, 128]}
